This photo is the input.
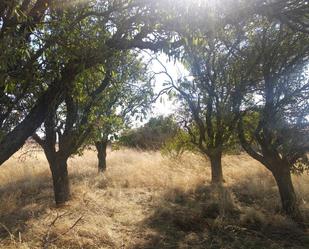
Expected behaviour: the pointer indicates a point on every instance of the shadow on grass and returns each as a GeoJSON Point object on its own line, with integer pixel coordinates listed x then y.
{"type": "Point", "coordinates": [27, 199]}
{"type": "Point", "coordinates": [23, 200]}
{"type": "Point", "coordinates": [210, 217]}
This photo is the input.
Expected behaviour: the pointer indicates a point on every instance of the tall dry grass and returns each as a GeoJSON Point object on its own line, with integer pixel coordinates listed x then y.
{"type": "Point", "coordinates": [144, 200]}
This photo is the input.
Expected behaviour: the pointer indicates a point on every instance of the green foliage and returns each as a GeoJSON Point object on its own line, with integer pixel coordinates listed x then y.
{"type": "Point", "coordinates": [96, 106]}
{"type": "Point", "coordinates": [179, 143]}
{"type": "Point", "coordinates": [129, 96]}
{"type": "Point", "coordinates": [208, 97]}
{"type": "Point", "coordinates": [53, 46]}
{"type": "Point", "coordinates": [275, 107]}
{"type": "Point", "coordinates": [151, 136]}
{"type": "Point", "coordinates": [72, 45]}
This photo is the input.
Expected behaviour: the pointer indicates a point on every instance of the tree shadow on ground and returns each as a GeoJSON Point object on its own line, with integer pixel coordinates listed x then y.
{"type": "Point", "coordinates": [210, 217]}
{"type": "Point", "coordinates": [27, 199]}
{"type": "Point", "coordinates": [23, 200]}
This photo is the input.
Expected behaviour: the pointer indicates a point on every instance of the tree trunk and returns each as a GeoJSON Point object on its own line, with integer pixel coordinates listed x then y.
{"type": "Point", "coordinates": [50, 99]}
{"type": "Point", "coordinates": [289, 200]}
{"type": "Point", "coordinates": [216, 168]}
{"type": "Point", "coordinates": [101, 149]}
{"type": "Point", "coordinates": [16, 138]}
{"type": "Point", "coordinates": [60, 176]}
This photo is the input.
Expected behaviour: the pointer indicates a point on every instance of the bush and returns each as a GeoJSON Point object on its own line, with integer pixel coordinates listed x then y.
{"type": "Point", "coordinates": [152, 136]}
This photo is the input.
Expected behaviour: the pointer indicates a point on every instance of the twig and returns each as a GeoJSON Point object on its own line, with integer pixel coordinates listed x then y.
{"type": "Point", "coordinates": [75, 223]}
{"type": "Point", "coordinates": [46, 239]}
{"type": "Point", "coordinates": [8, 231]}
{"type": "Point", "coordinates": [28, 151]}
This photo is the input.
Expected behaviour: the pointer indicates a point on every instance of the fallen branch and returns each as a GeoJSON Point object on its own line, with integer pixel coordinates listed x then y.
{"type": "Point", "coordinates": [47, 241]}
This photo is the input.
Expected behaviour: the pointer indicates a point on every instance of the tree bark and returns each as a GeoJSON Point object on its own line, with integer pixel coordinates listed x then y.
{"type": "Point", "coordinates": [216, 168]}
{"type": "Point", "coordinates": [60, 177]}
{"type": "Point", "coordinates": [15, 139]}
{"type": "Point", "coordinates": [101, 149]}
{"type": "Point", "coordinates": [288, 197]}
{"type": "Point", "coordinates": [49, 100]}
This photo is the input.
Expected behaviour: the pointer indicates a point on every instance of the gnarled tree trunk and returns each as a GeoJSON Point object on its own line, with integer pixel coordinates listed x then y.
{"type": "Point", "coordinates": [101, 149]}
{"type": "Point", "coordinates": [59, 170]}
{"type": "Point", "coordinates": [15, 139]}
{"type": "Point", "coordinates": [216, 167]}
{"type": "Point", "coordinates": [61, 182]}
{"type": "Point", "coordinates": [288, 197]}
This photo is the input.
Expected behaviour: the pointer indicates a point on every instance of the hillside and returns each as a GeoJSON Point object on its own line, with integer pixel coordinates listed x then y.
{"type": "Point", "coordinates": [146, 201]}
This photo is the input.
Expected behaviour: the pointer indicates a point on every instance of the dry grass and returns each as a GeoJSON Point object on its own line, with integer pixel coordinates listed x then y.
{"type": "Point", "coordinates": [146, 201]}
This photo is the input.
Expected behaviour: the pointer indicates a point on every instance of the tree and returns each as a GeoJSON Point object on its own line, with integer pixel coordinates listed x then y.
{"type": "Point", "coordinates": [42, 59]}
{"type": "Point", "coordinates": [293, 13]}
{"type": "Point", "coordinates": [68, 127]}
{"type": "Point", "coordinates": [65, 129]}
{"type": "Point", "coordinates": [151, 136]}
{"type": "Point", "coordinates": [207, 96]}
{"type": "Point", "coordinates": [19, 83]}
{"type": "Point", "coordinates": [273, 125]}
{"type": "Point", "coordinates": [30, 29]}
{"type": "Point", "coordinates": [130, 96]}
{"type": "Point", "coordinates": [106, 128]}
{"type": "Point", "coordinates": [101, 142]}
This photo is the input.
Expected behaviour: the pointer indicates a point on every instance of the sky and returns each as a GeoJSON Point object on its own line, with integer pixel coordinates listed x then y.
{"type": "Point", "coordinates": [163, 105]}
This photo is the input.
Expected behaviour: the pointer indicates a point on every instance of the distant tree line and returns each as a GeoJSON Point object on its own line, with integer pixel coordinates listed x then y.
{"type": "Point", "coordinates": [151, 136]}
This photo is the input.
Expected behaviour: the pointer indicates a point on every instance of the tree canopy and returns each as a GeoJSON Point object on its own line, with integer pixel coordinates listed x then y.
{"type": "Point", "coordinates": [73, 69]}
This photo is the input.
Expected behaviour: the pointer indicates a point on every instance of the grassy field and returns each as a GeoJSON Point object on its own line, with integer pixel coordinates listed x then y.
{"type": "Point", "coordinates": [146, 201]}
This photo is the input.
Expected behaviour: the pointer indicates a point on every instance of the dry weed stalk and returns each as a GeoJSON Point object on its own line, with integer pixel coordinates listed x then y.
{"type": "Point", "coordinates": [46, 239]}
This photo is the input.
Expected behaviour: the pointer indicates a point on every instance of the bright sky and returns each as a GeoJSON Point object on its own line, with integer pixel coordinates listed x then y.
{"type": "Point", "coordinates": [163, 105]}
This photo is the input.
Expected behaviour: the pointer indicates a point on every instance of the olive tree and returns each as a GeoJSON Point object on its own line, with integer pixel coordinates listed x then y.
{"type": "Point", "coordinates": [46, 46]}
{"type": "Point", "coordinates": [129, 96]}
{"type": "Point", "coordinates": [273, 117]}
{"type": "Point", "coordinates": [67, 128]}
{"type": "Point", "coordinates": [209, 94]}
